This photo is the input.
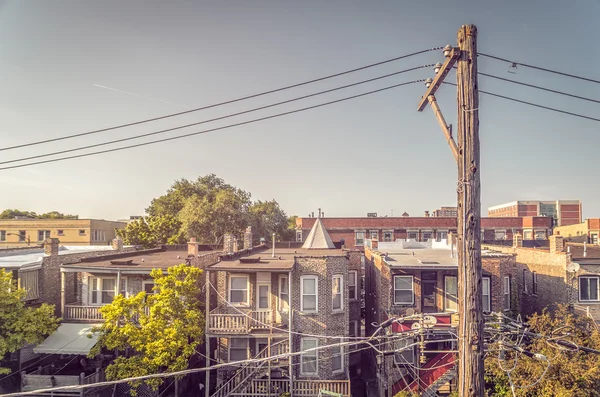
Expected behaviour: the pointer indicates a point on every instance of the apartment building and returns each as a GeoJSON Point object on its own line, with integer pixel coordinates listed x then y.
{"type": "Point", "coordinates": [562, 212]}
{"type": "Point", "coordinates": [353, 232]}
{"type": "Point", "coordinates": [587, 231]}
{"type": "Point", "coordinates": [280, 301]}
{"type": "Point", "coordinates": [447, 212]}
{"type": "Point", "coordinates": [418, 282]}
{"type": "Point", "coordinates": [72, 232]}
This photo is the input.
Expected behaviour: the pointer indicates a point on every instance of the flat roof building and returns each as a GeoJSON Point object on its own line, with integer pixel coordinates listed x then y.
{"type": "Point", "coordinates": [563, 212]}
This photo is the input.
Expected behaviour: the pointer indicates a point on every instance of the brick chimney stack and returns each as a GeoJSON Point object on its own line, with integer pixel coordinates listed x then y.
{"type": "Point", "coordinates": [193, 247]}
{"type": "Point", "coordinates": [517, 240]}
{"type": "Point", "coordinates": [117, 244]}
{"type": "Point", "coordinates": [248, 238]}
{"type": "Point", "coordinates": [228, 243]}
{"type": "Point", "coordinates": [51, 246]}
{"type": "Point", "coordinates": [557, 244]}
{"type": "Point", "coordinates": [426, 214]}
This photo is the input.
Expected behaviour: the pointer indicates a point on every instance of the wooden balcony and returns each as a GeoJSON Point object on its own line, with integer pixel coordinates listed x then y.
{"type": "Point", "coordinates": [239, 323]}
{"type": "Point", "coordinates": [35, 381]}
{"type": "Point", "coordinates": [302, 388]}
{"type": "Point", "coordinates": [82, 313]}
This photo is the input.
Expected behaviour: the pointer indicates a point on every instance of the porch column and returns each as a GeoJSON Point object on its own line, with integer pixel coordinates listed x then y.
{"type": "Point", "coordinates": [63, 298]}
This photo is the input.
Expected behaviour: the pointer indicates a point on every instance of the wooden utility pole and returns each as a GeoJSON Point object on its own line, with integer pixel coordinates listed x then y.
{"type": "Point", "coordinates": [466, 153]}
{"type": "Point", "coordinates": [470, 373]}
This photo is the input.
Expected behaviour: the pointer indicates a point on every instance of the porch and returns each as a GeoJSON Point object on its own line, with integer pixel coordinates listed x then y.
{"type": "Point", "coordinates": [75, 312]}
{"type": "Point", "coordinates": [241, 322]}
{"type": "Point", "coordinates": [44, 377]}
{"type": "Point", "coordinates": [304, 388]}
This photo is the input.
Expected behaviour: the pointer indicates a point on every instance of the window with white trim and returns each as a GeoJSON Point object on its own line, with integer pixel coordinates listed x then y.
{"type": "Point", "coordinates": [413, 235]}
{"type": "Point", "coordinates": [374, 234]}
{"type": "Point", "coordinates": [43, 235]}
{"type": "Point", "coordinates": [588, 289]}
{"type": "Point", "coordinates": [299, 236]}
{"type": "Point", "coordinates": [485, 292]}
{"type": "Point", "coordinates": [238, 349]}
{"type": "Point", "coordinates": [309, 362]}
{"type": "Point", "coordinates": [337, 289]}
{"type": "Point", "coordinates": [337, 359]}
{"type": "Point", "coordinates": [284, 295]}
{"type": "Point", "coordinates": [238, 290]}
{"type": "Point", "coordinates": [359, 238]}
{"type": "Point", "coordinates": [405, 355]}
{"type": "Point", "coordinates": [506, 292]}
{"type": "Point", "coordinates": [98, 235]}
{"type": "Point", "coordinates": [534, 283]}
{"type": "Point", "coordinates": [28, 280]}
{"type": "Point", "coordinates": [451, 293]}
{"type": "Point", "coordinates": [403, 290]}
{"type": "Point", "coordinates": [104, 289]}
{"type": "Point", "coordinates": [263, 292]}
{"type": "Point", "coordinates": [442, 235]}
{"type": "Point", "coordinates": [388, 237]}
{"type": "Point", "coordinates": [352, 278]}
{"type": "Point", "coordinates": [309, 286]}
{"type": "Point", "coordinates": [527, 235]}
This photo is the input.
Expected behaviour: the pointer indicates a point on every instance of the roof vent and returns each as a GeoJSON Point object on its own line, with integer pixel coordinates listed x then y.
{"type": "Point", "coordinates": [123, 263]}
{"type": "Point", "coordinates": [250, 260]}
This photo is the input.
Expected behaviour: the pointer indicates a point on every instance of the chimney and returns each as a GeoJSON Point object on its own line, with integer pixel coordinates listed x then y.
{"type": "Point", "coordinates": [235, 244]}
{"type": "Point", "coordinates": [193, 247]}
{"type": "Point", "coordinates": [117, 244]}
{"type": "Point", "coordinates": [312, 214]}
{"type": "Point", "coordinates": [248, 238]}
{"type": "Point", "coordinates": [228, 243]}
{"type": "Point", "coordinates": [426, 214]}
{"type": "Point", "coordinates": [51, 246]}
{"type": "Point", "coordinates": [557, 244]}
{"type": "Point", "coordinates": [584, 249]}
{"type": "Point", "coordinates": [323, 214]}
{"type": "Point", "coordinates": [517, 240]}
{"type": "Point", "coordinates": [319, 212]}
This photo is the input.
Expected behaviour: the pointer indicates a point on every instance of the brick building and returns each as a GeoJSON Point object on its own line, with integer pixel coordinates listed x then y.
{"type": "Point", "coordinates": [279, 301]}
{"type": "Point", "coordinates": [587, 231]}
{"type": "Point", "coordinates": [353, 232]}
{"type": "Point", "coordinates": [418, 282]}
{"type": "Point", "coordinates": [563, 212]}
{"type": "Point", "coordinates": [446, 212]}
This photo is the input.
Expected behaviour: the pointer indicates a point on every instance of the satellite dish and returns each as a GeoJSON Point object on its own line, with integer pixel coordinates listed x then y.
{"type": "Point", "coordinates": [429, 321]}
{"type": "Point", "coordinates": [573, 267]}
{"type": "Point", "coordinates": [415, 325]}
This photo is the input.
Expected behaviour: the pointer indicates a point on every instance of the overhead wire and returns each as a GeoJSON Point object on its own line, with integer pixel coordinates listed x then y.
{"type": "Point", "coordinates": [224, 102]}
{"type": "Point", "coordinates": [216, 118]}
{"type": "Point", "coordinates": [215, 129]}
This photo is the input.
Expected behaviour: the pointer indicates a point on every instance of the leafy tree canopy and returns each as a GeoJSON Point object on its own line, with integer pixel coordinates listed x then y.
{"type": "Point", "coordinates": [20, 325]}
{"type": "Point", "coordinates": [571, 372]}
{"type": "Point", "coordinates": [152, 231]}
{"type": "Point", "coordinates": [12, 213]}
{"type": "Point", "coordinates": [164, 339]}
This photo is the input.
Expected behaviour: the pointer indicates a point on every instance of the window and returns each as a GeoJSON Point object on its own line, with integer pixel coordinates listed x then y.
{"type": "Point", "coordinates": [485, 291]}
{"type": "Point", "coordinates": [413, 235]}
{"type": "Point", "coordinates": [103, 290]}
{"type": "Point", "coordinates": [426, 236]}
{"type": "Point", "coordinates": [374, 234]}
{"type": "Point", "coordinates": [388, 236]}
{"type": "Point", "coordinates": [360, 238]}
{"type": "Point", "coordinates": [337, 287]}
{"type": "Point", "coordinates": [299, 236]}
{"type": "Point", "coordinates": [588, 288]}
{"type": "Point", "coordinates": [404, 354]}
{"type": "Point", "coordinates": [43, 235]}
{"type": "Point", "coordinates": [309, 363]}
{"type": "Point", "coordinates": [337, 359]}
{"type": "Point", "coordinates": [60, 232]}
{"type": "Point", "coordinates": [22, 235]}
{"type": "Point", "coordinates": [540, 235]}
{"type": "Point", "coordinates": [506, 292]}
{"type": "Point", "coordinates": [534, 285]}
{"type": "Point", "coordinates": [29, 282]}
{"type": "Point", "coordinates": [525, 289]}
{"type": "Point", "coordinates": [98, 235]}
{"type": "Point", "coordinates": [82, 232]}
{"type": "Point", "coordinates": [527, 235]}
{"type": "Point", "coordinates": [309, 287]}
{"type": "Point", "coordinates": [238, 290]}
{"type": "Point", "coordinates": [500, 234]}
{"type": "Point", "coordinates": [261, 344]}
{"type": "Point", "coordinates": [451, 293]}
{"type": "Point", "coordinates": [149, 287]}
{"type": "Point", "coordinates": [352, 274]}
{"type": "Point", "coordinates": [238, 349]}
{"type": "Point", "coordinates": [403, 290]}
{"type": "Point", "coordinates": [283, 294]}
{"type": "Point", "coordinates": [263, 299]}
{"type": "Point", "coordinates": [2, 235]}
{"type": "Point", "coordinates": [442, 236]}
{"type": "Point", "coordinates": [594, 239]}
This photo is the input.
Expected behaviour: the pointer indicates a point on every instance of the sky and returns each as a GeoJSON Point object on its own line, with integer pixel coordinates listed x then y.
{"type": "Point", "coordinates": [68, 67]}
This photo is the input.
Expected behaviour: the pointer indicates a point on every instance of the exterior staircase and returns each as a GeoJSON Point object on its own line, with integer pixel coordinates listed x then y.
{"type": "Point", "coordinates": [244, 376]}
{"type": "Point", "coordinates": [431, 391]}
{"type": "Point", "coordinates": [432, 376]}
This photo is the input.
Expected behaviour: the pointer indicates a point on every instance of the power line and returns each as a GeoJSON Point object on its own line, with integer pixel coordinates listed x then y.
{"type": "Point", "coordinates": [214, 129]}
{"type": "Point", "coordinates": [222, 103]}
{"type": "Point", "coordinates": [530, 104]}
{"type": "Point", "coordinates": [540, 68]}
{"type": "Point", "coordinates": [217, 118]}
{"type": "Point", "coordinates": [538, 87]}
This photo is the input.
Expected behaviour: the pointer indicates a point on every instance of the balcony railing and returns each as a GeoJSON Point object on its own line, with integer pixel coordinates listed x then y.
{"type": "Point", "coordinates": [82, 313]}
{"type": "Point", "coordinates": [302, 388]}
{"type": "Point", "coordinates": [238, 323]}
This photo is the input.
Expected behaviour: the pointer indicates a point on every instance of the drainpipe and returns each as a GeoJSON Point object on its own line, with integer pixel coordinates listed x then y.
{"type": "Point", "coordinates": [63, 298]}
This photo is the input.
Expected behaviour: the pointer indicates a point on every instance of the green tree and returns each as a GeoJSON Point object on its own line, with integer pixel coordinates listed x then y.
{"type": "Point", "coordinates": [20, 325]}
{"type": "Point", "coordinates": [57, 215]}
{"type": "Point", "coordinates": [266, 218]}
{"type": "Point", "coordinates": [152, 231]}
{"type": "Point", "coordinates": [571, 373]}
{"type": "Point", "coordinates": [137, 233]}
{"type": "Point", "coordinates": [164, 339]}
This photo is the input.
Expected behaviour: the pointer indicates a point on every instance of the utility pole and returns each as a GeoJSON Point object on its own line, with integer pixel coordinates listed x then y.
{"type": "Point", "coordinates": [466, 153]}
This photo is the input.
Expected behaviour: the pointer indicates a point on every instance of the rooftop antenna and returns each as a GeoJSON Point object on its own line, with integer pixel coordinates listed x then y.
{"type": "Point", "coordinates": [319, 212]}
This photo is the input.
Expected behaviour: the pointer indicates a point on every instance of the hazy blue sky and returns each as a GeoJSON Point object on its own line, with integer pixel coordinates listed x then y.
{"type": "Point", "coordinates": [374, 154]}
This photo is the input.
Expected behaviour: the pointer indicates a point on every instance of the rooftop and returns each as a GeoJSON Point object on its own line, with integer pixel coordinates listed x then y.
{"type": "Point", "coordinates": [33, 257]}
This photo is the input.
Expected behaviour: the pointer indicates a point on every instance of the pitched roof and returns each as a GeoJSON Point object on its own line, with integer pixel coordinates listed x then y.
{"type": "Point", "coordinates": [318, 238]}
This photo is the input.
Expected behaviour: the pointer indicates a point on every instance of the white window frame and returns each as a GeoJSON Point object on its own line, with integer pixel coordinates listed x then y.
{"type": "Point", "coordinates": [247, 302]}
{"type": "Point", "coordinates": [95, 281]}
{"type": "Point", "coordinates": [230, 342]}
{"type": "Point", "coordinates": [506, 293]}
{"type": "Point", "coordinates": [341, 354]}
{"type": "Point", "coordinates": [594, 238]}
{"type": "Point", "coordinates": [314, 355]}
{"type": "Point", "coordinates": [340, 279]}
{"type": "Point", "coordinates": [356, 239]}
{"type": "Point", "coordinates": [446, 294]}
{"type": "Point", "coordinates": [402, 343]}
{"type": "Point", "coordinates": [352, 283]}
{"type": "Point", "coordinates": [283, 280]}
{"type": "Point", "coordinates": [147, 282]}
{"type": "Point", "coordinates": [263, 284]}
{"type": "Point", "coordinates": [486, 297]}
{"type": "Point", "coordinates": [302, 280]}
{"type": "Point", "coordinates": [412, 290]}
{"type": "Point", "coordinates": [441, 235]}
{"type": "Point", "coordinates": [527, 235]}
{"type": "Point", "coordinates": [424, 232]}
{"type": "Point", "coordinates": [298, 236]}
{"type": "Point", "coordinates": [597, 278]}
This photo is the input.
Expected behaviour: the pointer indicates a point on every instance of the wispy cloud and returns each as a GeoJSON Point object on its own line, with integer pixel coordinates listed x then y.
{"type": "Point", "coordinates": [140, 96]}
